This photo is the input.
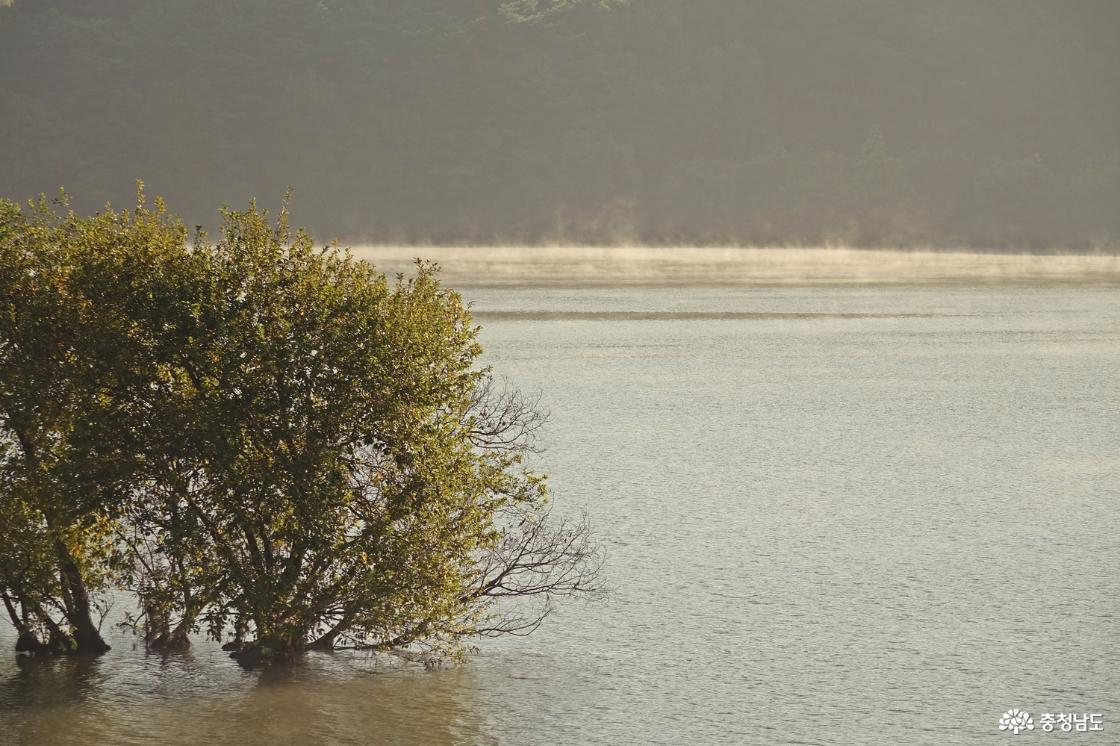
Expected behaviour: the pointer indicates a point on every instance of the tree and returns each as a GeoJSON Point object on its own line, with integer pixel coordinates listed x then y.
{"type": "Point", "coordinates": [75, 370]}
{"type": "Point", "coordinates": [345, 464]}
{"type": "Point", "coordinates": [263, 440]}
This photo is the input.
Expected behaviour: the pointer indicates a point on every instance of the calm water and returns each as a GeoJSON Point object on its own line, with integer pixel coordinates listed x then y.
{"type": "Point", "coordinates": [832, 516]}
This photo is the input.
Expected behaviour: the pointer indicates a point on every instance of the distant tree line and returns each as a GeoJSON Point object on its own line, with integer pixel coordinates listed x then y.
{"type": "Point", "coordinates": [986, 123]}
{"type": "Point", "coordinates": [258, 440]}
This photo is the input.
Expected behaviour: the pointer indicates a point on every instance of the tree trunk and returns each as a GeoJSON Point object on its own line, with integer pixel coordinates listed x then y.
{"type": "Point", "coordinates": [78, 608]}
{"type": "Point", "coordinates": [26, 641]}
{"type": "Point", "coordinates": [171, 640]}
{"type": "Point", "coordinates": [59, 643]}
{"type": "Point", "coordinates": [17, 620]}
{"type": "Point", "coordinates": [326, 641]}
{"type": "Point", "coordinates": [78, 612]}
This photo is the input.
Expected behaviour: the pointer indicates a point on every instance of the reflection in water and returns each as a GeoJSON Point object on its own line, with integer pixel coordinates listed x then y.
{"type": "Point", "coordinates": [178, 699]}
{"type": "Point", "coordinates": [302, 704]}
{"type": "Point", "coordinates": [50, 682]}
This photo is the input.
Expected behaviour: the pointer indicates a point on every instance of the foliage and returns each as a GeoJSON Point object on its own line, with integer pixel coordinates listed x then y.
{"type": "Point", "coordinates": [260, 438]}
{"type": "Point", "coordinates": [75, 363]}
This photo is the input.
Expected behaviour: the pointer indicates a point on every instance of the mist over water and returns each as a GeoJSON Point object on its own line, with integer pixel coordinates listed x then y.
{"type": "Point", "coordinates": [580, 265]}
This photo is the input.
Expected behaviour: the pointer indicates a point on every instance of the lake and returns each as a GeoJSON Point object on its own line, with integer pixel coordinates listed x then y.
{"type": "Point", "coordinates": [832, 514]}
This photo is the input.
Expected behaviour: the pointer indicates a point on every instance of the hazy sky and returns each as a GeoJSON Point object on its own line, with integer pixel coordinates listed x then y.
{"type": "Point", "coordinates": [979, 123]}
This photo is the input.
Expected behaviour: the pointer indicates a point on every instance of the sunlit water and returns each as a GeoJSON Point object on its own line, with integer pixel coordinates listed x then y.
{"type": "Point", "coordinates": [832, 515]}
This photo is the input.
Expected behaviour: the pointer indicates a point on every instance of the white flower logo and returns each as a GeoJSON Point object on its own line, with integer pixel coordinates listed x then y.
{"type": "Point", "coordinates": [1016, 720]}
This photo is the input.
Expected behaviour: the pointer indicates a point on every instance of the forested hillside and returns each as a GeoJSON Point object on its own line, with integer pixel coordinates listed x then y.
{"type": "Point", "coordinates": [953, 123]}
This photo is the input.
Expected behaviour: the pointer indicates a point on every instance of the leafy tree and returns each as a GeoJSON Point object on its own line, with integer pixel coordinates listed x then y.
{"type": "Point", "coordinates": [344, 474]}
{"type": "Point", "coordinates": [262, 439]}
{"type": "Point", "coordinates": [74, 373]}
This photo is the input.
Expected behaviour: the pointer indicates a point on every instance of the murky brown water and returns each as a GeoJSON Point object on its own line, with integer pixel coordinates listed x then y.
{"type": "Point", "coordinates": [832, 515]}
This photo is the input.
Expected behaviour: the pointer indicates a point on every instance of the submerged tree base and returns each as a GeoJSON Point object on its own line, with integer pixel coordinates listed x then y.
{"type": "Point", "coordinates": [30, 644]}
{"type": "Point", "coordinates": [258, 652]}
{"type": "Point", "coordinates": [169, 644]}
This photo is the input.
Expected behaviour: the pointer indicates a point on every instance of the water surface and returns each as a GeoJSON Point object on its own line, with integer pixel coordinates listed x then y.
{"type": "Point", "coordinates": [833, 515]}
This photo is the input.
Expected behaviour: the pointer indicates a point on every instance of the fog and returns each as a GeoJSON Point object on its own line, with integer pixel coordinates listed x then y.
{"type": "Point", "coordinates": [583, 266]}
